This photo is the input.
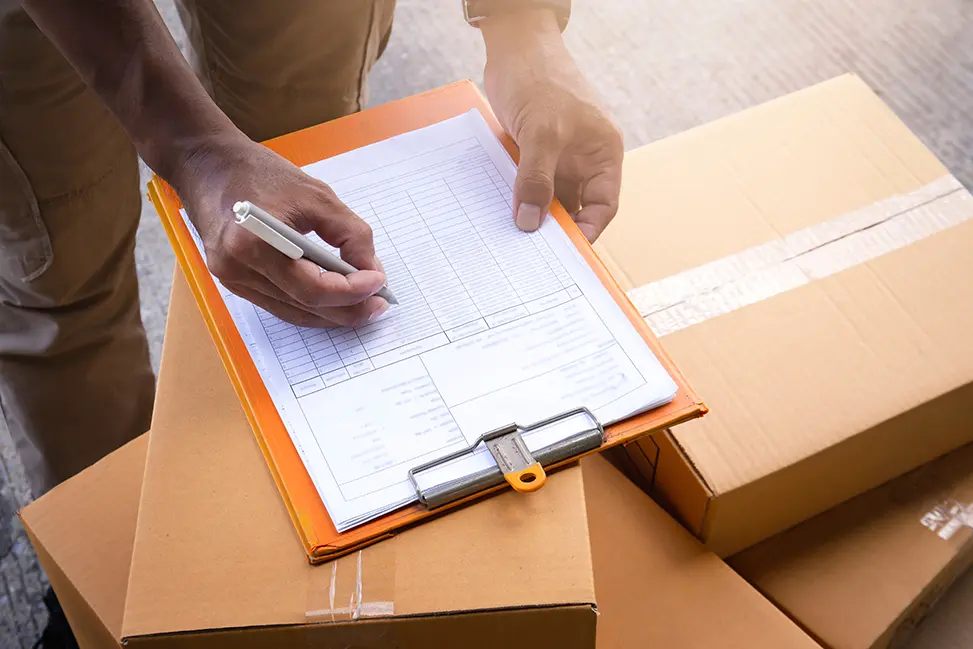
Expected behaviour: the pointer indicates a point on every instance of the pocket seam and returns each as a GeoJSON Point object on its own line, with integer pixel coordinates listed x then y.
{"type": "Point", "coordinates": [27, 192]}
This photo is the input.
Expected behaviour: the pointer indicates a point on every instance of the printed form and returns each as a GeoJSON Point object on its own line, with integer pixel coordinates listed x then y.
{"type": "Point", "coordinates": [494, 326]}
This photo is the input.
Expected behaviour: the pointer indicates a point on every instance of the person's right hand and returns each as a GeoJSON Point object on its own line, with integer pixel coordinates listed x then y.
{"type": "Point", "coordinates": [232, 168]}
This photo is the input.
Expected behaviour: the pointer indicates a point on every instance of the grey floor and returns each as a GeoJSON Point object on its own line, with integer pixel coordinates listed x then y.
{"type": "Point", "coordinates": [662, 66]}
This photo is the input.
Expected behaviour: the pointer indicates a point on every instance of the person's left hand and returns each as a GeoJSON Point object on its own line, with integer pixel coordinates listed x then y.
{"type": "Point", "coordinates": [569, 147]}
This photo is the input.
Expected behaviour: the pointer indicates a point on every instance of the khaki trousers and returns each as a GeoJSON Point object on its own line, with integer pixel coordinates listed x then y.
{"type": "Point", "coordinates": [75, 379]}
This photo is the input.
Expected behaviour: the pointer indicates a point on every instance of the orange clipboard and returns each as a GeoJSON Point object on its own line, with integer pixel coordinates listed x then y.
{"type": "Point", "coordinates": [321, 540]}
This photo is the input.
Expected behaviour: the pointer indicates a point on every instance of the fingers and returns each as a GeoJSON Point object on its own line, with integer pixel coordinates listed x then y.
{"type": "Point", "coordinates": [568, 192]}
{"type": "Point", "coordinates": [540, 148]}
{"type": "Point", "coordinates": [282, 310]}
{"type": "Point", "coordinates": [308, 286]}
{"type": "Point", "coordinates": [257, 289]}
{"type": "Point", "coordinates": [599, 200]}
{"type": "Point", "coordinates": [301, 280]}
{"type": "Point", "coordinates": [295, 290]}
{"type": "Point", "coordinates": [322, 212]}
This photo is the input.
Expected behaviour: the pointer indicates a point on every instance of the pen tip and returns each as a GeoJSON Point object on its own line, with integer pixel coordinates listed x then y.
{"type": "Point", "coordinates": [386, 295]}
{"type": "Point", "coordinates": [240, 208]}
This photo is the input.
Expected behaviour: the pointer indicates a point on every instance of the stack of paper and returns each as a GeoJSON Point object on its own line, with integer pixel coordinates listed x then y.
{"type": "Point", "coordinates": [494, 326]}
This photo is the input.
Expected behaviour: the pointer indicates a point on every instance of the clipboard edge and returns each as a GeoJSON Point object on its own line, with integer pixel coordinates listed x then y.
{"type": "Point", "coordinates": [156, 191]}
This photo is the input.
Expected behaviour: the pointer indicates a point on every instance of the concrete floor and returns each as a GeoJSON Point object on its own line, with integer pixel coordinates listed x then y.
{"type": "Point", "coordinates": [662, 66]}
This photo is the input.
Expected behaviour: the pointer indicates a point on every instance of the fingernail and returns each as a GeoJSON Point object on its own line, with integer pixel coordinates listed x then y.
{"type": "Point", "coordinates": [379, 312]}
{"type": "Point", "coordinates": [588, 231]}
{"type": "Point", "coordinates": [528, 217]}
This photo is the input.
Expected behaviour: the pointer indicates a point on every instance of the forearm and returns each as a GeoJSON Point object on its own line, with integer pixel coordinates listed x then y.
{"type": "Point", "coordinates": [122, 49]}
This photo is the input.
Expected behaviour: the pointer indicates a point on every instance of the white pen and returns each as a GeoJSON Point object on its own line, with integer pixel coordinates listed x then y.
{"type": "Point", "coordinates": [294, 244]}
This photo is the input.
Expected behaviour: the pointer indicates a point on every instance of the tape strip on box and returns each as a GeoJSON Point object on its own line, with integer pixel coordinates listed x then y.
{"type": "Point", "coordinates": [354, 587]}
{"type": "Point", "coordinates": [947, 518]}
{"type": "Point", "coordinates": [733, 282]}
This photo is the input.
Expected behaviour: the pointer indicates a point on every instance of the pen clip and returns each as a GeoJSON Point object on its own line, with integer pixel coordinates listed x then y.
{"type": "Point", "coordinates": [269, 235]}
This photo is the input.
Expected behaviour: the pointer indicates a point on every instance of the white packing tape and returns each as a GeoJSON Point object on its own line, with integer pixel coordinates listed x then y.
{"type": "Point", "coordinates": [357, 607]}
{"type": "Point", "coordinates": [823, 249]}
{"type": "Point", "coordinates": [947, 518]}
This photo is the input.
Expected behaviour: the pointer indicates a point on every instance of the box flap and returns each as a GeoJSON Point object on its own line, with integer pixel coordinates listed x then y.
{"type": "Point", "coordinates": [215, 548]}
{"type": "Point", "coordinates": [83, 531]}
{"type": "Point", "coordinates": [656, 583]}
{"type": "Point", "coordinates": [859, 573]}
{"type": "Point", "coordinates": [875, 340]}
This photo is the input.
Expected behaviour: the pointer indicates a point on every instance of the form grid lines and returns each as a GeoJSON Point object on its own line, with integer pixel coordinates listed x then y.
{"type": "Point", "coordinates": [454, 258]}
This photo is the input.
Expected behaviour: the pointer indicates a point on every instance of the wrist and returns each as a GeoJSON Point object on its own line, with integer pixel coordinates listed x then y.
{"type": "Point", "coordinates": [516, 32]}
{"type": "Point", "coordinates": [191, 157]}
{"type": "Point", "coordinates": [176, 149]}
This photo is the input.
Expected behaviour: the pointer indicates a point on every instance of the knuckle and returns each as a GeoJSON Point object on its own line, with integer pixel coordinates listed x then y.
{"type": "Point", "coordinates": [615, 137]}
{"type": "Point", "coordinates": [239, 290]}
{"type": "Point", "coordinates": [325, 195]}
{"type": "Point", "coordinates": [358, 318]}
{"type": "Point", "coordinates": [303, 319]}
{"type": "Point", "coordinates": [308, 295]}
{"type": "Point", "coordinates": [360, 231]}
{"type": "Point", "coordinates": [341, 317]}
{"type": "Point", "coordinates": [327, 203]}
{"type": "Point", "coordinates": [289, 313]}
{"type": "Point", "coordinates": [355, 315]}
{"type": "Point", "coordinates": [535, 179]}
{"type": "Point", "coordinates": [220, 265]}
{"type": "Point", "coordinates": [224, 260]}
{"type": "Point", "coordinates": [235, 245]}
{"type": "Point", "coordinates": [545, 133]}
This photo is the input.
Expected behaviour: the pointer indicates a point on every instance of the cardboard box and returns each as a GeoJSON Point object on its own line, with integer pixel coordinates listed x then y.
{"type": "Point", "coordinates": [215, 558]}
{"type": "Point", "coordinates": [83, 531]}
{"type": "Point", "coordinates": [789, 257]}
{"type": "Point", "coordinates": [646, 567]}
{"type": "Point", "coordinates": [864, 574]}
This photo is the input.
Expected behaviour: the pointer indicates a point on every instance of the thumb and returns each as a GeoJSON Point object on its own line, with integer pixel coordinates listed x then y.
{"type": "Point", "coordinates": [534, 188]}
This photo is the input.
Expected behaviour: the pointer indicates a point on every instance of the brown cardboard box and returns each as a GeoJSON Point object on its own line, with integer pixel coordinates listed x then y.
{"type": "Point", "coordinates": [657, 586]}
{"type": "Point", "coordinates": [771, 250]}
{"type": "Point", "coordinates": [862, 575]}
{"type": "Point", "coordinates": [651, 576]}
{"type": "Point", "coordinates": [215, 559]}
{"type": "Point", "coordinates": [83, 532]}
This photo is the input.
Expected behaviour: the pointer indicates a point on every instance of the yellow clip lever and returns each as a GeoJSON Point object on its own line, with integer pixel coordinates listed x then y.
{"type": "Point", "coordinates": [530, 479]}
{"type": "Point", "coordinates": [519, 468]}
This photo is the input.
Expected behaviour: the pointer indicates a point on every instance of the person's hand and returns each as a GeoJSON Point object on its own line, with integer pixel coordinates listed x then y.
{"type": "Point", "coordinates": [231, 168]}
{"type": "Point", "coordinates": [569, 147]}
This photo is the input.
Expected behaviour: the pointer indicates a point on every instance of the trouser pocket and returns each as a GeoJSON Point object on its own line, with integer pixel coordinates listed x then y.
{"type": "Point", "coordinates": [273, 70]}
{"type": "Point", "coordinates": [25, 246]}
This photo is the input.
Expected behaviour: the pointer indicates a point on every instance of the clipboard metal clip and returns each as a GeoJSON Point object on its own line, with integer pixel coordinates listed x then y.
{"type": "Point", "coordinates": [514, 462]}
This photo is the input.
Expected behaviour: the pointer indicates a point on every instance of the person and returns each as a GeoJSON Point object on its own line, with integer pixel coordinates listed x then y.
{"type": "Point", "coordinates": [88, 86]}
